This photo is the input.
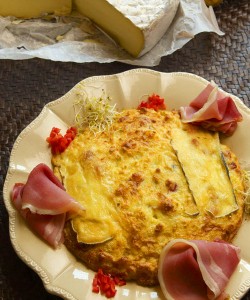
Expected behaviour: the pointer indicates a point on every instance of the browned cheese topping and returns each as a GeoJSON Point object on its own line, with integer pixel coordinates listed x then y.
{"type": "Point", "coordinates": [134, 182]}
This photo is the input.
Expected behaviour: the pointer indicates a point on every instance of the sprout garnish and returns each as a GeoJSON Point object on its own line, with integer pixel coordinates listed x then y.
{"type": "Point", "coordinates": [97, 113]}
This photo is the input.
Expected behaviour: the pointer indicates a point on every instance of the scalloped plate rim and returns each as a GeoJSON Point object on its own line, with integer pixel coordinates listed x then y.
{"type": "Point", "coordinates": [53, 289]}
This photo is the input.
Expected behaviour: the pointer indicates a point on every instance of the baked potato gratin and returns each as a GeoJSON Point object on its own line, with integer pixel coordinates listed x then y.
{"type": "Point", "coordinates": [144, 181]}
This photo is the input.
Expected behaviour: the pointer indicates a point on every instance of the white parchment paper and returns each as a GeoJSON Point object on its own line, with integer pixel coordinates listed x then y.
{"type": "Point", "coordinates": [76, 39]}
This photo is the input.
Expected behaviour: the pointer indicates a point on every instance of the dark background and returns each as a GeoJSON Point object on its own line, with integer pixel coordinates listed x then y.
{"type": "Point", "coordinates": [26, 86]}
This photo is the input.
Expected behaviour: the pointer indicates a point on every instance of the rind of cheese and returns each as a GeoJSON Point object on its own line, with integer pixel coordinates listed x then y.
{"type": "Point", "coordinates": [101, 222]}
{"type": "Point", "coordinates": [202, 161]}
{"type": "Point", "coordinates": [137, 26]}
{"type": "Point", "coordinates": [35, 8]}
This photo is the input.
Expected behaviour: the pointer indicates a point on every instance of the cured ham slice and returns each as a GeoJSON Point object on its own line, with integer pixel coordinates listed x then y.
{"type": "Point", "coordinates": [44, 204]}
{"type": "Point", "coordinates": [213, 110]}
{"type": "Point", "coordinates": [49, 227]}
{"type": "Point", "coordinates": [196, 270]}
{"type": "Point", "coordinates": [44, 194]}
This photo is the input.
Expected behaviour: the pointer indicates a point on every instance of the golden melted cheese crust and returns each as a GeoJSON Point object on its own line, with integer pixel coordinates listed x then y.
{"type": "Point", "coordinates": [136, 195]}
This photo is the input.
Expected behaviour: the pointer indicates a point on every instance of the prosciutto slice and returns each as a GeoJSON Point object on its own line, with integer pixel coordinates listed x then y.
{"type": "Point", "coordinates": [44, 194]}
{"type": "Point", "coordinates": [213, 110]}
{"type": "Point", "coordinates": [196, 270]}
{"type": "Point", "coordinates": [44, 204]}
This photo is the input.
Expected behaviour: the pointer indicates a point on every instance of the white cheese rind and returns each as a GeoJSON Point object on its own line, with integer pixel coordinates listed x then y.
{"type": "Point", "coordinates": [34, 8]}
{"type": "Point", "coordinates": [153, 17]}
{"type": "Point", "coordinates": [136, 25]}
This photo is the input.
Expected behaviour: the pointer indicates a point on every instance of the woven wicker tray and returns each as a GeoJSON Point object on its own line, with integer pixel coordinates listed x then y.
{"type": "Point", "coordinates": [26, 86]}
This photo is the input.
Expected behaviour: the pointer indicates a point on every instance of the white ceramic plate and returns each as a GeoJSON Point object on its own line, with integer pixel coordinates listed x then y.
{"type": "Point", "coordinates": [60, 272]}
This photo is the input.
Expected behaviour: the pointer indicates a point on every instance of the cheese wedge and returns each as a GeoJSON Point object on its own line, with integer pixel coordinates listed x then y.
{"type": "Point", "coordinates": [34, 8]}
{"type": "Point", "coordinates": [137, 26]}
